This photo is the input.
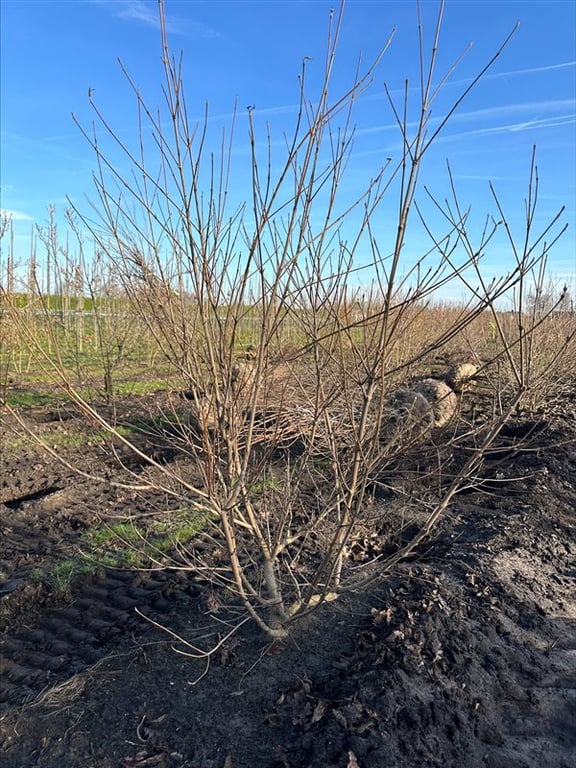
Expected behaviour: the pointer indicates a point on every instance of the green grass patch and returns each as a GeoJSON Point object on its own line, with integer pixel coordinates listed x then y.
{"type": "Point", "coordinates": [267, 483]}
{"type": "Point", "coordinates": [178, 527]}
{"type": "Point", "coordinates": [61, 438]}
{"type": "Point", "coordinates": [36, 574]}
{"type": "Point", "coordinates": [136, 545]}
{"type": "Point", "coordinates": [30, 398]}
{"type": "Point", "coordinates": [64, 574]}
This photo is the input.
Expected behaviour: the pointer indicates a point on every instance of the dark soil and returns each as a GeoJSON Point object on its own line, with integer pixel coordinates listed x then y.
{"type": "Point", "coordinates": [463, 657]}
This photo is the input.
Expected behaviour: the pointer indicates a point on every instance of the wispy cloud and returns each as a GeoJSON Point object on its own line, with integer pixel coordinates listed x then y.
{"type": "Point", "coordinates": [535, 124]}
{"type": "Point", "coordinates": [535, 110]}
{"type": "Point", "coordinates": [529, 70]}
{"type": "Point", "coordinates": [526, 107]}
{"type": "Point", "coordinates": [532, 125]}
{"type": "Point", "coordinates": [8, 213]}
{"type": "Point", "coordinates": [242, 112]}
{"type": "Point", "coordinates": [523, 72]}
{"type": "Point", "coordinates": [512, 73]}
{"type": "Point", "coordinates": [463, 82]}
{"type": "Point", "coordinates": [146, 12]}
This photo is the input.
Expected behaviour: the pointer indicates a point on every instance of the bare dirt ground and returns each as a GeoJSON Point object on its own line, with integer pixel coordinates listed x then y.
{"type": "Point", "coordinates": [465, 656]}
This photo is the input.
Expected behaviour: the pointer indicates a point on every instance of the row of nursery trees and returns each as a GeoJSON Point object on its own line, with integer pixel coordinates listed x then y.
{"type": "Point", "coordinates": [287, 444]}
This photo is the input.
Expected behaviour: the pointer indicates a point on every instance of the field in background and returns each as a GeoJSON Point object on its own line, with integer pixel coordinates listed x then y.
{"type": "Point", "coordinates": [108, 351]}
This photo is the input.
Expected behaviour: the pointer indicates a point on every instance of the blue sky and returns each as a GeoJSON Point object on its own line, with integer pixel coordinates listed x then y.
{"type": "Point", "coordinates": [54, 51]}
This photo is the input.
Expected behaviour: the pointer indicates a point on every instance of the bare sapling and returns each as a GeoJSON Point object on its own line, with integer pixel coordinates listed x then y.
{"type": "Point", "coordinates": [290, 328]}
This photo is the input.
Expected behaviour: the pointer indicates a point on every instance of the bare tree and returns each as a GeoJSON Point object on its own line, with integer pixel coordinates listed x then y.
{"type": "Point", "coordinates": [292, 377]}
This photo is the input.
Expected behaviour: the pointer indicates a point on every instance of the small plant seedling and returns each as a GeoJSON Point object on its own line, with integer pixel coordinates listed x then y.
{"type": "Point", "coordinates": [63, 575]}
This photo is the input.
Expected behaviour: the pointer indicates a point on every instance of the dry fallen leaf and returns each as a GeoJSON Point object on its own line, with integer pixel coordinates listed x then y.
{"type": "Point", "coordinates": [319, 711]}
{"type": "Point", "coordinates": [352, 760]}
